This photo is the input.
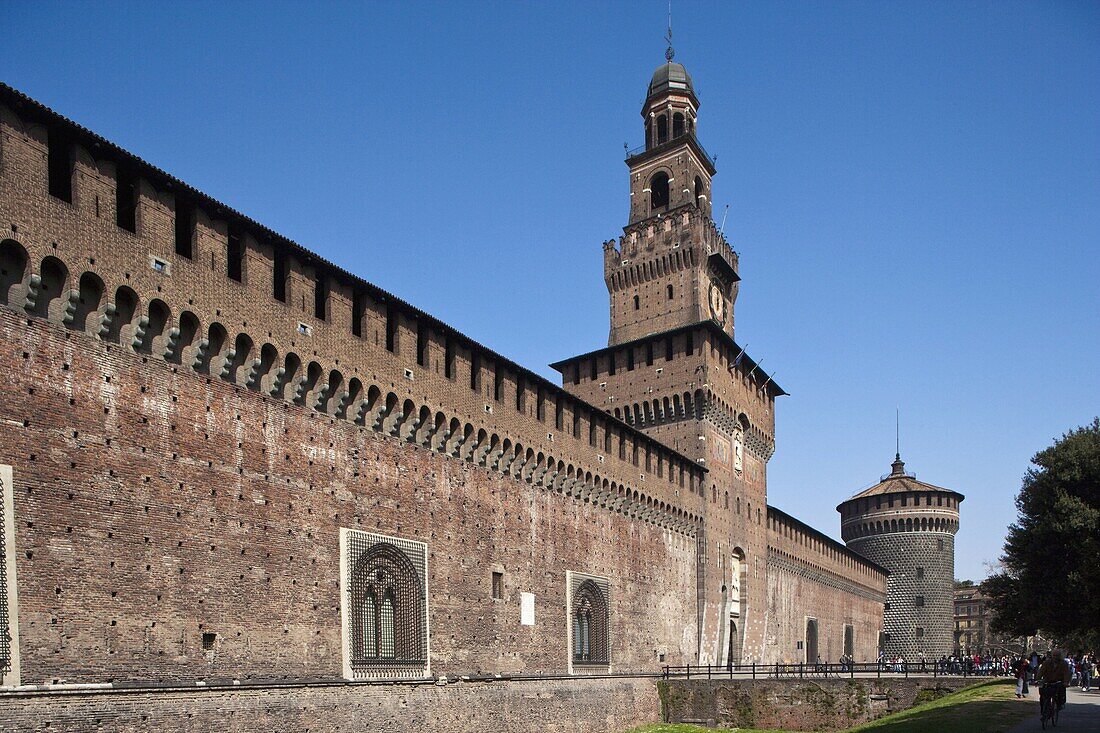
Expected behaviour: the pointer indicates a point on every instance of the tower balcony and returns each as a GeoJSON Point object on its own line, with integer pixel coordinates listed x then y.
{"type": "Point", "coordinates": [643, 151]}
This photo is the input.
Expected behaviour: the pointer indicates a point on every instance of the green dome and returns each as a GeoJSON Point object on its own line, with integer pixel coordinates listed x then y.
{"type": "Point", "coordinates": [670, 76]}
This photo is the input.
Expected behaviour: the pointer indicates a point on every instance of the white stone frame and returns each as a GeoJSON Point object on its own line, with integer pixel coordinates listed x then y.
{"type": "Point", "coordinates": [7, 493]}
{"type": "Point", "coordinates": [574, 578]}
{"type": "Point", "coordinates": [345, 605]}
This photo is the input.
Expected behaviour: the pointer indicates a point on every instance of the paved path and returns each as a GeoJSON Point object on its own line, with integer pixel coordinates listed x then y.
{"type": "Point", "coordinates": [1080, 715]}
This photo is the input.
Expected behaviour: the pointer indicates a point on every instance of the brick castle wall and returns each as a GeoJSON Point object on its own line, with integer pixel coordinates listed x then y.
{"type": "Point", "coordinates": [153, 505]}
{"type": "Point", "coordinates": [190, 430]}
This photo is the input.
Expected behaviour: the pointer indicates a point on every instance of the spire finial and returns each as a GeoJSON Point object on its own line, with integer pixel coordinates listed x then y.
{"type": "Point", "coordinates": [670, 53]}
{"type": "Point", "coordinates": [897, 468]}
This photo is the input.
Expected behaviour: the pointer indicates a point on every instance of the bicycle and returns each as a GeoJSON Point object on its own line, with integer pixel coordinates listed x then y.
{"type": "Point", "coordinates": [1048, 703]}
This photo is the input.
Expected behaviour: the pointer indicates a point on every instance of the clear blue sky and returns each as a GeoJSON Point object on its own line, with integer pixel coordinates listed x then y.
{"type": "Point", "coordinates": [914, 189]}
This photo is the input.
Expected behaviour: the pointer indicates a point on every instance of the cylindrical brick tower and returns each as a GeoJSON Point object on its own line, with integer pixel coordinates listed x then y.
{"type": "Point", "coordinates": [908, 527]}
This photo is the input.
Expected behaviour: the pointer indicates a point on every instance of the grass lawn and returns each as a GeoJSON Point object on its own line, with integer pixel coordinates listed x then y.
{"type": "Point", "coordinates": [990, 707]}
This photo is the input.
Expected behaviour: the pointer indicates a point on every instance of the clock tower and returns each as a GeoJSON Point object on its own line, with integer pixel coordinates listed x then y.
{"type": "Point", "coordinates": [662, 278]}
{"type": "Point", "coordinates": [673, 369]}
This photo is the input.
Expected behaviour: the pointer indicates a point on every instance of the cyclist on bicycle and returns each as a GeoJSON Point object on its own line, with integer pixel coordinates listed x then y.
{"type": "Point", "coordinates": [1053, 678]}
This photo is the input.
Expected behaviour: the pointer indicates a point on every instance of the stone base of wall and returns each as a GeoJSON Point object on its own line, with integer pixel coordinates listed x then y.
{"type": "Point", "coordinates": [801, 704]}
{"type": "Point", "coordinates": [554, 706]}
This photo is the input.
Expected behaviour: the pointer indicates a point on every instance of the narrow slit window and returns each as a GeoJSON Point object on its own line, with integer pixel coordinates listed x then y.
{"type": "Point", "coordinates": [126, 199]}
{"type": "Point", "coordinates": [185, 229]}
{"type": "Point", "coordinates": [60, 166]}
{"type": "Point", "coordinates": [320, 298]}
{"type": "Point", "coordinates": [391, 329]}
{"type": "Point", "coordinates": [279, 276]}
{"type": "Point", "coordinates": [475, 372]}
{"type": "Point", "coordinates": [449, 359]}
{"type": "Point", "coordinates": [498, 586]}
{"type": "Point", "coordinates": [498, 383]}
{"type": "Point", "coordinates": [235, 256]}
{"type": "Point", "coordinates": [421, 344]}
{"type": "Point", "coordinates": [357, 308]}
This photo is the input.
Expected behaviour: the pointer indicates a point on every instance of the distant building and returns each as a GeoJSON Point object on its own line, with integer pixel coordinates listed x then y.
{"type": "Point", "coordinates": [971, 620]}
{"type": "Point", "coordinates": [972, 633]}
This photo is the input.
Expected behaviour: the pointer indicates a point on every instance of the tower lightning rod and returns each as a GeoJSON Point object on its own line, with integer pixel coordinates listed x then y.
{"type": "Point", "coordinates": [897, 431]}
{"type": "Point", "coordinates": [722, 229]}
{"type": "Point", "coordinates": [669, 53]}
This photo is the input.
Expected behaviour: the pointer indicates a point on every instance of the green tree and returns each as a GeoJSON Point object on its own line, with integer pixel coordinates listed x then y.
{"type": "Point", "coordinates": [1050, 577]}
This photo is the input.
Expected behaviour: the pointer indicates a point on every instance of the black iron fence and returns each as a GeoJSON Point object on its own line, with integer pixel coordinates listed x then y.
{"type": "Point", "coordinates": [803, 671]}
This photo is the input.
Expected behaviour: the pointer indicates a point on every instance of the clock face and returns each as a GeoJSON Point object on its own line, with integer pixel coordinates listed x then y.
{"type": "Point", "coordinates": [717, 304]}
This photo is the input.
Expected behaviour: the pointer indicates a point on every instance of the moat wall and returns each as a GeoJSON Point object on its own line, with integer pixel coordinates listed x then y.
{"type": "Point", "coordinates": [553, 706]}
{"type": "Point", "coordinates": [795, 704]}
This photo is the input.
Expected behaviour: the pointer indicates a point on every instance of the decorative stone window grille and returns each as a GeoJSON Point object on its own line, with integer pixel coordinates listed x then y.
{"type": "Point", "coordinates": [385, 606]}
{"type": "Point", "coordinates": [589, 605]}
{"type": "Point", "coordinates": [9, 604]}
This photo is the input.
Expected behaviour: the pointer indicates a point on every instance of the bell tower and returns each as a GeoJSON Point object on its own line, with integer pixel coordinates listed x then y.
{"type": "Point", "coordinates": [673, 369]}
{"type": "Point", "coordinates": [672, 268]}
{"type": "Point", "coordinates": [671, 169]}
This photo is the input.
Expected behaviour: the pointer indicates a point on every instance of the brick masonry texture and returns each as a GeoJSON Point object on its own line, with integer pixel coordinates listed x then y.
{"type": "Point", "coordinates": [154, 506]}
{"type": "Point", "coordinates": [818, 704]}
{"type": "Point", "coordinates": [195, 408]}
{"type": "Point", "coordinates": [903, 553]}
{"type": "Point", "coordinates": [555, 706]}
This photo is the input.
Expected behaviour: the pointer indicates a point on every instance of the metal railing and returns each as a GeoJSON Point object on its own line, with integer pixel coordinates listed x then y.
{"type": "Point", "coordinates": [642, 148]}
{"type": "Point", "coordinates": [810, 671]}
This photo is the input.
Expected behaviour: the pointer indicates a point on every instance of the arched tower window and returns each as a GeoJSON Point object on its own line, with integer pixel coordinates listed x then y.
{"type": "Point", "coordinates": [658, 187]}
{"type": "Point", "coordinates": [678, 124]}
{"type": "Point", "coordinates": [590, 621]}
{"type": "Point", "coordinates": [662, 129]}
{"type": "Point", "coordinates": [699, 191]}
{"type": "Point", "coordinates": [637, 302]}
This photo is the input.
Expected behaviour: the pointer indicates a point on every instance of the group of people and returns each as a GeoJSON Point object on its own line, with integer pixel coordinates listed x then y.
{"type": "Point", "coordinates": [976, 664]}
{"type": "Point", "coordinates": [1081, 667]}
{"type": "Point", "coordinates": [1058, 668]}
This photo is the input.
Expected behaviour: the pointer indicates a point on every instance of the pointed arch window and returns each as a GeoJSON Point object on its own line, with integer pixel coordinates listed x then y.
{"type": "Point", "coordinates": [589, 620]}
{"type": "Point", "coordinates": [385, 609]}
